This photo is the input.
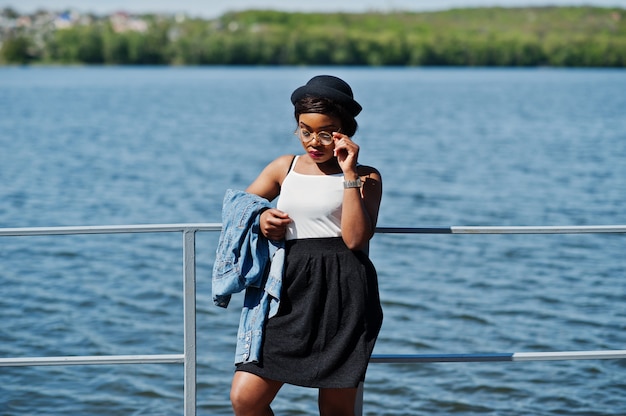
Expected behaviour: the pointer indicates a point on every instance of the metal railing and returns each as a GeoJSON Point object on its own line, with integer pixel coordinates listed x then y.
{"type": "Point", "coordinates": [188, 356]}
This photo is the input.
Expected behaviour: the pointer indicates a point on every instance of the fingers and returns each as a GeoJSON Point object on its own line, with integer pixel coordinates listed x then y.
{"type": "Point", "coordinates": [344, 142]}
{"type": "Point", "coordinates": [346, 151]}
{"type": "Point", "coordinates": [276, 213]}
{"type": "Point", "coordinates": [274, 223]}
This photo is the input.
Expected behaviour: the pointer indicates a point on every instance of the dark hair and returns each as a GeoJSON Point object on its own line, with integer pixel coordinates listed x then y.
{"type": "Point", "coordinates": [319, 105]}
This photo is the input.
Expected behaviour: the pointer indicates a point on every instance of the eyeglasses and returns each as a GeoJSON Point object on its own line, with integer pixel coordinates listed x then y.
{"type": "Point", "coordinates": [306, 136]}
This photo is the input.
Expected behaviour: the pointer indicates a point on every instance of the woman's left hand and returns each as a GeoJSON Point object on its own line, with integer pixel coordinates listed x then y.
{"type": "Point", "coordinates": [346, 152]}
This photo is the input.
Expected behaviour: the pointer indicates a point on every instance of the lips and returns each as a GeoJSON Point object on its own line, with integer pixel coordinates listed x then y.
{"type": "Point", "coordinates": [315, 154]}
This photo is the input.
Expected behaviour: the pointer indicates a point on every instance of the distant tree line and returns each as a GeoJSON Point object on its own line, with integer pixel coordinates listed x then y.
{"type": "Point", "coordinates": [549, 36]}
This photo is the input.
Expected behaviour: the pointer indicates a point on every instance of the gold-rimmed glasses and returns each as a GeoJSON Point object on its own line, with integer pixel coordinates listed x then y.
{"type": "Point", "coordinates": [322, 137]}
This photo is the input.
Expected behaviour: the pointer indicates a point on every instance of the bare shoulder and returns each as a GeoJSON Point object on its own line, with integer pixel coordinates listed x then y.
{"type": "Point", "coordinates": [279, 167]}
{"type": "Point", "coordinates": [284, 161]}
{"type": "Point", "coordinates": [368, 172]}
{"type": "Point", "coordinates": [269, 181]}
{"type": "Point", "coordinates": [372, 184]}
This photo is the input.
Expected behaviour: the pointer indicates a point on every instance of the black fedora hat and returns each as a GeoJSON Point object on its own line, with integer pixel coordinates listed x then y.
{"type": "Point", "coordinates": [328, 86]}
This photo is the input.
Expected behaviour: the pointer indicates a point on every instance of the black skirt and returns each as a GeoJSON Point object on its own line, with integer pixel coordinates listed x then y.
{"type": "Point", "coordinates": [329, 317]}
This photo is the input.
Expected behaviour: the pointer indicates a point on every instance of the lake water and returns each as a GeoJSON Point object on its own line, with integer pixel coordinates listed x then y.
{"type": "Point", "coordinates": [104, 146]}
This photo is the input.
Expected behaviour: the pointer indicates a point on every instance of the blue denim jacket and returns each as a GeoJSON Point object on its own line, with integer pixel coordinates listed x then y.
{"type": "Point", "coordinates": [245, 259]}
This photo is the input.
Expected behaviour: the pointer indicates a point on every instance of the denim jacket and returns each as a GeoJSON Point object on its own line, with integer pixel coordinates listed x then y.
{"type": "Point", "coordinates": [245, 259]}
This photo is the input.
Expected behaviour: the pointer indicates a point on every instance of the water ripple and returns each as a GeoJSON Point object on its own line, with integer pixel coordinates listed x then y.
{"type": "Point", "coordinates": [473, 147]}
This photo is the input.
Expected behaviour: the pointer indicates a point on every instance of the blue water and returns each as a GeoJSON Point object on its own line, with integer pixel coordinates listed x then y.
{"type": "Point", "coordinates": [102, 146]}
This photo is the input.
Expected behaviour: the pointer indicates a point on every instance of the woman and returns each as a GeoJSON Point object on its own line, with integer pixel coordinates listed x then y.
{"type": "Point", "coordinates": [330, 315]}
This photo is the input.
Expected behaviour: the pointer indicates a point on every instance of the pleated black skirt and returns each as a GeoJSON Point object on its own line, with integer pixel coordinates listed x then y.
{"type": "Point", "coordinates": [329, 317]}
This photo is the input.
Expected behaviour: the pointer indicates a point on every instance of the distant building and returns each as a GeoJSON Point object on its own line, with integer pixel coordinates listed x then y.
{"type": "Point", "coordinates": [123, 22]}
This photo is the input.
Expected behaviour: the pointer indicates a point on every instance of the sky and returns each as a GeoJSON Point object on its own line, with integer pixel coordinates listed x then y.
{"type": "Point", "coordinates": [215, 8]}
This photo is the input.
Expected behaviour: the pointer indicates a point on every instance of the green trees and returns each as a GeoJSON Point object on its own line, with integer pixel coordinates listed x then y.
{"type": "Point", "coordinates": [99, 44]}
{"type": "Point", "coordinates": [16, 50]}
{"type": "Point", "coordinates": [79, 44]}
{"type": "Point", "coordinates": [552, 36]}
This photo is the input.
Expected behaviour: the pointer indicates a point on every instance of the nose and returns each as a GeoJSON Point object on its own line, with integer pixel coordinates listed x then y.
{"type": "Point", "coordinates": [315, 137]}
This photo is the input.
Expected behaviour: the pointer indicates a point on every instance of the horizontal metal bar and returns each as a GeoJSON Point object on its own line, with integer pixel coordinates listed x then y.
{"type": "Point", "coordinates": [414, 230]}
{"type": "Point", "coordinates": [381, 358]}
{"type": "Point", "coordinates": [110, 229]}
{"type": "Point", "coordinates": [499, 357]}
{"type": "Point", "coordinates": [569, 355]}
{"type": "Point", "coordinates": [578, 229]}
{"type": "Point", "coordinates": [440, 358]}
{"type": "Point", "coordinates": [160, 228]}
{"type": "Point", "coordinates": [95, 359]}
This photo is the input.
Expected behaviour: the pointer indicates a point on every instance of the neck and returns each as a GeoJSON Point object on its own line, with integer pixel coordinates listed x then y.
{"type": "Point", "coordinates": [329, 167]}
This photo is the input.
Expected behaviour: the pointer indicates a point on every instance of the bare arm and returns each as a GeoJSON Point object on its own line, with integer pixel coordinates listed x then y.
{"type": "Point", "coordinates": [267, 185]}
{"type": "Point", "coordinates": [359, 213]}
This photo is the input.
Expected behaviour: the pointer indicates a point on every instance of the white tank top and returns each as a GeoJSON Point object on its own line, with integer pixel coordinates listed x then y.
{"type": "Point", "coordinates": [313, 202]}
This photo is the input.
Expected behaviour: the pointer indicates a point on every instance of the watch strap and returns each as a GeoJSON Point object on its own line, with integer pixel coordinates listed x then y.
{"type": "Point", "coordinates": [352, 184]}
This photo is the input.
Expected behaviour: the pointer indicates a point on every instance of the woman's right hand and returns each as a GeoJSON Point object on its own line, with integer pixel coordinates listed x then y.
{"type": "Point", "coordinates": [274, 223]}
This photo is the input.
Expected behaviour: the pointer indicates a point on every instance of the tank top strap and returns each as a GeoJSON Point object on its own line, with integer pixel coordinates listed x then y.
{"type": "Point", "coordinates": [293, 163]}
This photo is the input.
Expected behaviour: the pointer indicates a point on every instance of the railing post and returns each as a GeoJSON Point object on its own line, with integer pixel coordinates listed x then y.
{"type": "Point", "coordinates": [189, 320]}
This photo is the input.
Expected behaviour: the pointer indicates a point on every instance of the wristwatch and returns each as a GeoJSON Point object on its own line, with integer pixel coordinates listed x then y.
{"type": "Point", "coordinates": [352, 184]}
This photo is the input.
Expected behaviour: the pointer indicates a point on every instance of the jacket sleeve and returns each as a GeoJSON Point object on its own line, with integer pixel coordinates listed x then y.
{"type": "Point", "coordinates": [242, 253]}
